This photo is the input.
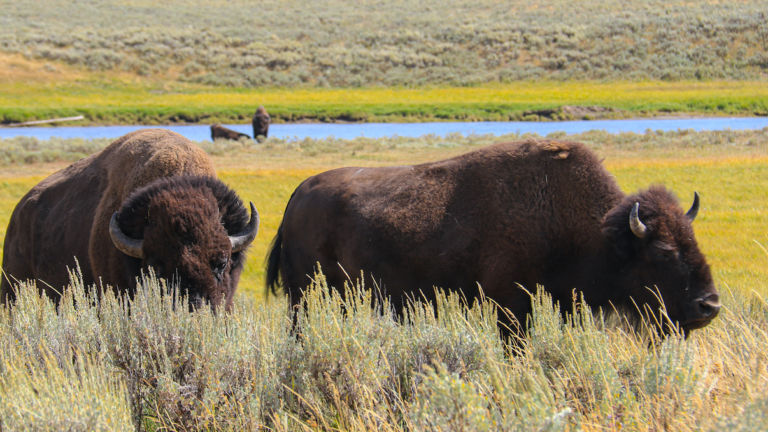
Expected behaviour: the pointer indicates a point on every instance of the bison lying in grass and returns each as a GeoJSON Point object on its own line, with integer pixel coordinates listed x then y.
{"type": "Point", "coordinates": [151, 198]}
{"type": "Point", "coordinates": [505, 216]}
{"type": "Point", "coordinates": [220, 132]}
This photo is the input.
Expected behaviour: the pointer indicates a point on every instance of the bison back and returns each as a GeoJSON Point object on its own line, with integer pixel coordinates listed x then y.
{"type": "Point", "coordinates": [382, 221]}
{"type": "Point", "coordinates": [49, 228]}
{"type": "Point", "coordinates": [506, 214]}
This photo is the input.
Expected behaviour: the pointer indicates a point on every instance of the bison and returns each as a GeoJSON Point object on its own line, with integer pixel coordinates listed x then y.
{"type": "Point", "coordinates": [220, 132]}
{"type": "Point", "coordinates": [149, 199]}
{"type": "Point", "coordinates": [501, 217]}
{"type": "Point", "coordinates": [260, 123]}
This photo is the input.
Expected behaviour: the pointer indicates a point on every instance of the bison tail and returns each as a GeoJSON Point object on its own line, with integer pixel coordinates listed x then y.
{"type": "Point", "coordinates": [273, 261]}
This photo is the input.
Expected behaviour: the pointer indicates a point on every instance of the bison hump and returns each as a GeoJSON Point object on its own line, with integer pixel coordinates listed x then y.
{"type": "Point", "coordinates": [406, 199]}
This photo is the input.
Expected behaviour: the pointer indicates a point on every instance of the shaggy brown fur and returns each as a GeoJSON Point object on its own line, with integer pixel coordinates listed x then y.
{"type": "Point", "coordinates": [527, 213]}
{"type": "Point", "coordinates": [260, 123]}
{"type": "Point", "coordinates": [144, 176]}
{"type": "Point", "coordinates": [220, 132]}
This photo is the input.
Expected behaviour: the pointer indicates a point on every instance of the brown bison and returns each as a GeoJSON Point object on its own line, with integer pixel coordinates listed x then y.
{"type": "Point", "coordinates": [220, 132]}
{"type": "Point", "coordinates": [151, 198]}
{"type": "Point", "coordinates": [260, 123]}
{"type": "Point", "coordinates": [505, 216]}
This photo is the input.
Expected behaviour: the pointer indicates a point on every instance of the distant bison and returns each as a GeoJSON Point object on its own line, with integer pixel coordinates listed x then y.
{"type": "Point", "coordinates": [151, 198]}
{"type": "Point", "coordinates": [220, 132]}
{"type": "Point", "coordinates": [528, 213]}
{"type": "Point", "coordinates": [260, 123]}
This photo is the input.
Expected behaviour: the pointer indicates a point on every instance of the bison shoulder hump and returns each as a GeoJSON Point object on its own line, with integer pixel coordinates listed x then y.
{"type": "Point", "coordinates": [557, 149]}
{"type": "Point", "coordinates": [564, 150]}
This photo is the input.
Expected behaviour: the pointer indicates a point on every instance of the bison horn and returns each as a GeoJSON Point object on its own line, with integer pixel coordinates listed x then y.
{"type": "Point", "coordinates": [123, 243]}
{"type": "Point", "coordinates": [243, 239]}
{"type": "Point", "coordinates": [694, 210]}
{"type": "Point", "coordinates": [638, 228]}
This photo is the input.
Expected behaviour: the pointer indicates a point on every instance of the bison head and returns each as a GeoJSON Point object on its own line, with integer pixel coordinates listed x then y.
{"type": "Point", "coordinates": [191, 230]}
{"type": "Point", "coordinates": [656, 258]}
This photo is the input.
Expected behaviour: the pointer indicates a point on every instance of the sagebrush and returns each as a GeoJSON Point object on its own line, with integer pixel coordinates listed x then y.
{"type": "Point", "coordinates": [350, 363]}
{"type": "Point", "coordinates": [331, 43]}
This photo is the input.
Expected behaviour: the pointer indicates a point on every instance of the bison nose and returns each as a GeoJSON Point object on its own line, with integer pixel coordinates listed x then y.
{"type": "Point", "coordinates": [709, 306]}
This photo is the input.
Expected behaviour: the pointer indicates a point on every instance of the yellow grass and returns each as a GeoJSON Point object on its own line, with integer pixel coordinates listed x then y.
{"type": "Point", "coordinates": [76, 93]}
{"type": "Point", "coordinates": [30, 88]}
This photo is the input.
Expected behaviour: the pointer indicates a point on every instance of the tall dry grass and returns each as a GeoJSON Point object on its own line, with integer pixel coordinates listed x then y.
{"type": "Point", "coordinates": [349, 363]}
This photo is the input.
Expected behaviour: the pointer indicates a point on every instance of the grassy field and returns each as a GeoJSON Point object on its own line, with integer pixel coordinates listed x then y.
{"type": "Point", "coordinates": [143, 364]}
{"type": "Point", "coordinates": [103, 99]}
{"type": "Point", "coordinates": [86, 367]}
{"type": "Point", "coordinates": [194, 61]}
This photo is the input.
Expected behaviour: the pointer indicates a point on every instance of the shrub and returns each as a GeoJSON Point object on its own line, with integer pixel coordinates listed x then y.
{"type": "Point", "coordinates": [273, 44]}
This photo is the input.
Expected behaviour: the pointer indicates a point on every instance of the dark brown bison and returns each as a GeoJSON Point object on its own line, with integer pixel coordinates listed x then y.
{"type": "Point", "coordinates": [527, 213]}
{"type": "Point", "coordinates": [151, 198]}
{"type": "Point", "coordinates": [260, 123]}
{"type": "Point", "coordinates": [220, 132]}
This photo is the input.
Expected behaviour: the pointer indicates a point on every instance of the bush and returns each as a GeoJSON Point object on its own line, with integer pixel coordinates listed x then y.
{"type": "Point", "coordinates": [242, 44]}
{"type": "Point", "coordinates": [350, 363]}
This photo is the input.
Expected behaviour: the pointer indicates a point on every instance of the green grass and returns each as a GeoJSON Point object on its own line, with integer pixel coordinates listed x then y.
{"type": "Point", "coordinates": [122, 102]}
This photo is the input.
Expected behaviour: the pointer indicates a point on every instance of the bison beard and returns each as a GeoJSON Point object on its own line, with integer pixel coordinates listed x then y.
{"type": "Point", "coordinates": [505, 216]}
{"type": "Point", "coordinates": [148, 199]}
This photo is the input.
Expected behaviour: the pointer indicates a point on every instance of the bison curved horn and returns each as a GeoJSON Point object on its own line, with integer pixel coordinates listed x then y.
{"type": "Point", "coordinates": [123, 243]}
{"type": "Point", "coordinates": [694, 210]}
{"type": "Point", "coordinates": [242, 240]}
{"type": "Point", "coordinates": [638, 228]}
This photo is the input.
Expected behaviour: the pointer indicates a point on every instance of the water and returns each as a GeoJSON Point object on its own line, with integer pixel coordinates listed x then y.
{"type": "Point", "coordinates": [378, 130]}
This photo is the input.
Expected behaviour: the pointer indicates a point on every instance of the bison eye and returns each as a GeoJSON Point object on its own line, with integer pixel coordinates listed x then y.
{"type": "Point", "coordinates": [218, 266]}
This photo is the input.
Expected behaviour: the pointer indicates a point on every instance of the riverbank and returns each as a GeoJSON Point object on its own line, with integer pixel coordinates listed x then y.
{"type": "Point", "coordinates": [24, 155]}
{"type": "Point", "coordinates": [103, 100]}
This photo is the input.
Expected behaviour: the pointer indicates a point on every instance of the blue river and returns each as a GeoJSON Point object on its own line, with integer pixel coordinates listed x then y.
{"type": "Point", "coordinates": [378, 130]}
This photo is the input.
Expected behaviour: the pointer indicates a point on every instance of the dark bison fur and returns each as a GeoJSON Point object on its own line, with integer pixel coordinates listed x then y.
{"type": "Point", "coordinates": [260, 123]}
{"type": "Point", "coordinates": [507, 216]}
{"type": "Point", "coordinates": [220, 132]}
{"type": "Point", "coordinates": [198, 213]}
{"type": "Point", "coordinates": [149, 199]}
